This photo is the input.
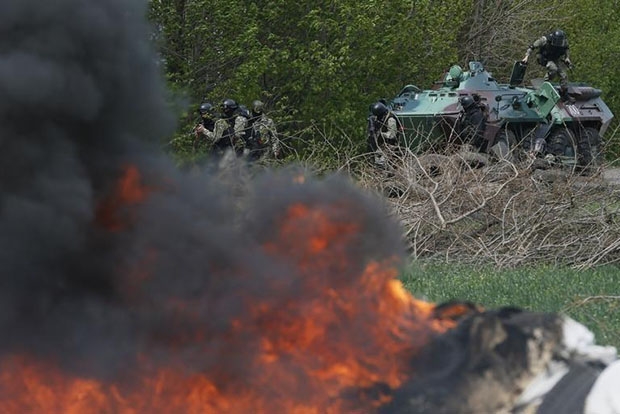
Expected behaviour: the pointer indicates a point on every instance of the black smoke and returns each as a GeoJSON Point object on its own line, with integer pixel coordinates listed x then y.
{"type": "Point", "coordinates": [79, 90]}
{"type": "Point", "coordinates": [81, 97]}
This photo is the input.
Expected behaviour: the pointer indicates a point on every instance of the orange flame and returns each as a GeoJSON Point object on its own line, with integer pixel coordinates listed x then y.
{"type": "Point", "coordinates": [129, 191]}
{"type": "Point", "coordinates": [341, 346]}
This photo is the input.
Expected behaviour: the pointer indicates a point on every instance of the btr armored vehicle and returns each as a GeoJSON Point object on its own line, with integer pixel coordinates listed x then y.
{"type": "Point", "coordinates": [514, 118]}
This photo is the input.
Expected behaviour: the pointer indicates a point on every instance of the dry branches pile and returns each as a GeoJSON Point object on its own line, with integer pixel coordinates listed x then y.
{"type": "Point", "coordinates": [459, 207]}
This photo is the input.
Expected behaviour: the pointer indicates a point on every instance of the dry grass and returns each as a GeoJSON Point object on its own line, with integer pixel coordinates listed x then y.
{"type": "Point", "coordinates": [504, 213]}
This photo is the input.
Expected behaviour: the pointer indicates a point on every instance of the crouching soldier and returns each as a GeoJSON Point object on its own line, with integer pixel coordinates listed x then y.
{"type": "Point", "coordinates": [383, 127]}
{"type": "Point", "coordinates": [473, 123]}
{"type": "Point", "coordinates": [553, 55]}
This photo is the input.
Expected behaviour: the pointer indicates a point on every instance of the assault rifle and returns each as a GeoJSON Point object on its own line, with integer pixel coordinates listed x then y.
{"type": "Point", "coordinates": [195, 124]}
{"type": "Point", "coordinates": [373, 141]}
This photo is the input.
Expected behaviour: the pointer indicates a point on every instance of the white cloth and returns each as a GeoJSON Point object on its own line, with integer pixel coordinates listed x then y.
{"type": "Point", "coordinates": [604, 398]}
{"type": "Point", "coordinates": [578, 344]}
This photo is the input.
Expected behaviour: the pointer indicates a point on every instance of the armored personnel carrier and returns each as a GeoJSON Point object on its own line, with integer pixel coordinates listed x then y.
{"type": "Point", "coordinates": [514, 118]}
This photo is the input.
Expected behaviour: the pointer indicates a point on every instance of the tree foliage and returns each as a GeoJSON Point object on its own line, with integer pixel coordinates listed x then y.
{"type": "Point", "coordinates": [321, 63]}
{"type": "Point", "coordinates": [497, 33]}
{"type": "Point", "coordinates": [595, 48]}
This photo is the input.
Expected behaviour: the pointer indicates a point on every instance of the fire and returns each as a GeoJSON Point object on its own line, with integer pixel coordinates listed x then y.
{"type": "Point", "coordinates": [128, 191]}
{"type": "Point", "coordinates": [340, 345]}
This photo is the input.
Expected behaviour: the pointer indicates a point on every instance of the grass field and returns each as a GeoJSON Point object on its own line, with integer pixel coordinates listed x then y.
{"type": "Point", "coordinates": [591, 297]}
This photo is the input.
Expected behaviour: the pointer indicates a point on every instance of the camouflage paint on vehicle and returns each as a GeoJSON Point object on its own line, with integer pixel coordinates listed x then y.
{"type": "Point", "coordinates": [519, 116]}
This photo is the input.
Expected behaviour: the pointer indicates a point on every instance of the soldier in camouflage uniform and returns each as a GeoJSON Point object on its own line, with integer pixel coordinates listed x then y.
{"type": "Point", "coordinates": [382, 130]}
{"type": "Point", "coordinates": [472, 123]}
{"type": "Point", "coordinates": [229, 133]}
{"type": "Point", "coordinates": [246, 135]}
{"type": "Point", "coordinates": [203, 132]}
{"type": "Point", "coordinates": [553, 54]}
{"type": "Point", "coordinates": [264, 141]}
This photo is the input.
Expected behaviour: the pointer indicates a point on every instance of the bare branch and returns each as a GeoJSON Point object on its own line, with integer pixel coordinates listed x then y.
{"type": "Point", "coordinates": [454, 206]}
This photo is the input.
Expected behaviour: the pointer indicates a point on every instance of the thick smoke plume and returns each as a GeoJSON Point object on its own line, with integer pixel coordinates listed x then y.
{"type": "Point", "coordinates": [78, 89]}
{"type": "Point", "coordinates": [81, 104]}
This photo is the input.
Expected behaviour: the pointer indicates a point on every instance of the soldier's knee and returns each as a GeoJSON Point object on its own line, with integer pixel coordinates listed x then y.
{"type": "Point", "coordinates": [550, 75]}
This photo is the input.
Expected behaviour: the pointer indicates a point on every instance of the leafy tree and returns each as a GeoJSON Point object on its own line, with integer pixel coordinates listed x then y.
{"type": "Point", "coordinates": [319, 64]}
{"type": "Point", "coordinates": [497, 33]}
{"type": "Point", "coordinates": [594, 36]}
{"type": "Point", "coordinates": [315, 63]}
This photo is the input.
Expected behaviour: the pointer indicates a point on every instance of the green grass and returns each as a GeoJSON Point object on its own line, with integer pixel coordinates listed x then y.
{"type": "Point", "coordinates": [571, 292]}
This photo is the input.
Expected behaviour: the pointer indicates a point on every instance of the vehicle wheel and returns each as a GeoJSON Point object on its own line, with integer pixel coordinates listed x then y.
{"type": "Point", "coordinates": [507, 136]}
{"type": "Point", "coordinates": [590, 148]}
{"type": "Point", "coordinates": [505, 145]}
{"type": "Point", "coordinates": [562, 143]}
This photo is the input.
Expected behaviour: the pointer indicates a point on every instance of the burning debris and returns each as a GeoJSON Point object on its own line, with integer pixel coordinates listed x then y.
{"type": "Point", "coordinates": [128, 287]}
{"type": "Point", "coordinates": [504, 361]}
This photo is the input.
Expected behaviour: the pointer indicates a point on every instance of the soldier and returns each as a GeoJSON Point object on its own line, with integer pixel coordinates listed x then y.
{"type": "Point", "coordinates": [247, 131]}
{"type": "Point", "coordinates": [553, 54]}
{"type": "Point", "coordinates": [455, 76]}
{"type": "Point", "coordinates": [203, 132]}
{"type": "Point", "coordinates": [264, 141]}
{"type": "Point", "coordinates": [382, 130]}
{"type": "Point", "coordinates": [229, 133]}
{"type": "Point", "coordinates": [472, 122]}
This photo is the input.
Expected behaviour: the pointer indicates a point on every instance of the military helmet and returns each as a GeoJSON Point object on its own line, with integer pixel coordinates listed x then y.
{"type": "Point", "coordinates": [229, 106]}
{"type": "Point", "coordinates": [257, 107]}
{"type": "Point", "coordinates": [379, 109]}
{"type": "Point", "coordinates": [244, 111]}
{"type": "Point", "coordinates": [467, 101]}
{"type": "Point", "coordinates": [558, 38]}
{"type": "Point", "coordinates": [455, 73]}
{"type": "Point", "coordinates": [205, 108]}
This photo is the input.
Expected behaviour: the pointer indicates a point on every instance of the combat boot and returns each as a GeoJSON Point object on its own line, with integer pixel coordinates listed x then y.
{"type": "Point", "coordinates": [565, 96]}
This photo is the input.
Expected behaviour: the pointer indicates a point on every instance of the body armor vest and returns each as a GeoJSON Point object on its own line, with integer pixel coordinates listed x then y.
{"type": "Point", "coordinates": [549, 52]}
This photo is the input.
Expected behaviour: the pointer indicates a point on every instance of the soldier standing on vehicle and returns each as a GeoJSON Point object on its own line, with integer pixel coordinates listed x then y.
{"type": "Point", "coordinates": [264, 142]}
{"type": "Point", "coordinates": [203, 132]}
{"type": "Point", "coordinates": [553, 54]}
{"type": "Point", "coordinates": [382, 130]}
